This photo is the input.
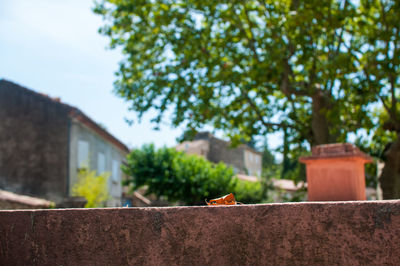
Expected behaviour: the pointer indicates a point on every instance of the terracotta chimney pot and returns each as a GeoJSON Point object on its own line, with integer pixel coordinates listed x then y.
{"type": "Point", "coordinates": [335, 172]}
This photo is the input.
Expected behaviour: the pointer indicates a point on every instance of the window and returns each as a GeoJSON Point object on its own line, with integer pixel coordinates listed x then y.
{"type": "Point", "coordinates": [235, 170]}
{"type": "Point", "coordinates": [83, 154]}
{"type": "Point", "coordinates": [115, 171]}
{"type": "Point", "coordinates": [101, 163]}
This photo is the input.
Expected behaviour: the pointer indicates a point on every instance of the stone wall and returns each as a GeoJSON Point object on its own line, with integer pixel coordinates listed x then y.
{"type": "Point", "coordinates": [242, 158]}
{"type": "Point", "coordinates": [33, 143]}
{"type": "Point", "coordinates": [221, 151]}
{"type": "Point", "coordinates": [199, 147]}
{"type": "Point", "coordinates": [340, 233]}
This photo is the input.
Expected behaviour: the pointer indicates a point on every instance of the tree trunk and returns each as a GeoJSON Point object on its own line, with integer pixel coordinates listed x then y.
{"type": "Point", "coordinates": [390, 176]}
{"type": "Point", "coordinates": [285, 163]}
{"type": "Point", "coordinates": [320, 124]}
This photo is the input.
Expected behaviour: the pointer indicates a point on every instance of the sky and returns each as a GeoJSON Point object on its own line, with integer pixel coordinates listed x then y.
{"type": "Point", "coordinates": [53, 47]}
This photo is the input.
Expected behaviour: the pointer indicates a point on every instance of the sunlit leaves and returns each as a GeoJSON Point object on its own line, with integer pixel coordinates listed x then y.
{"type": "Point", "coordinates": [250, 67]}
{"type": "Point", "coordinates": [176, 176]}
{"type": "Point", "coordinates": [92, 187]}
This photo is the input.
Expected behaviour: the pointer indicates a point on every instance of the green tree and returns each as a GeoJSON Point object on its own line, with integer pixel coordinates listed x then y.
{"type": "Point", "coordinates": [377, 36]}
{"type": "Point", "coordinates": [176, 176]}
{"type": "Point", "coordinates": [240, 66]}
{"type": "Point", "coordinates": [308, 68]}
{"type": "Point", "coordinates": [92, 187]}
{"type": "Point", "coordinates": [188, 135]}
{"type": "Point", "coordinates": [270, 168]}
{"type": "Point", "coordinates": [268, 158]}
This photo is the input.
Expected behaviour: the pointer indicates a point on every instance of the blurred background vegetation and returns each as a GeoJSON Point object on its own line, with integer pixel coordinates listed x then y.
{"type": "Point", "coordinates": [184, 179]}
{"type": "Point", "coordinates": [92, 187]}
{"type": "Point", "coordinates": [316, 72]}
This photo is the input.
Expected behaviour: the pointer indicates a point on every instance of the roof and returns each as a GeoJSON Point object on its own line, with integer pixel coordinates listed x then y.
{"type": "Point", "coordinates": [247, 178]}
{"type": "Point", "coordinates": [24, 200]}
{"type": "Point", "coordinates": [287, 184]}
{"type": "Point", "coordinates": [87, 121]}
{"type": "Point", "coordinates": [73, 112]}
{"type": "Point", "coordinates": [284, 184]}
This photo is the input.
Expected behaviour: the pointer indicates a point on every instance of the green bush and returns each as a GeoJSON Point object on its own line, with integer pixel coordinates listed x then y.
{"type": "Point", "coordinates": [92, 187]}
{"type": "Point", "coordinates": [249, 192]}
{"type": "Point", "coordinates": [176, 176]}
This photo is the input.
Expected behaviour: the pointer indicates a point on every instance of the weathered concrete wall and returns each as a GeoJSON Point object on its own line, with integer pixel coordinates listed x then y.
{"type": "Point", "coordinates": [340, 233]}
{"type": "Point", "coordinates": [33, 143]}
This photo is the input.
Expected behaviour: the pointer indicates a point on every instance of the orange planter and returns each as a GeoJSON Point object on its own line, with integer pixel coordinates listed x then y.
{"type": "Point", "coordinates": [335, 172]}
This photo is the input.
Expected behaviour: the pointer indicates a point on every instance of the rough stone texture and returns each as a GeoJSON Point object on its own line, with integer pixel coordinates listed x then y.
{"type": "Point", "coordinates": [341, 233]}
{"type": "Point", "coordinates": [33, 143]}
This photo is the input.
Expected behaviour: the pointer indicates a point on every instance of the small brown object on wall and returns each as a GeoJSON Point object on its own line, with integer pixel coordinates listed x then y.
{"type": "Point", "coordinates": [225, 200]}
{"type": "Point", "coordinates": [335, 172]}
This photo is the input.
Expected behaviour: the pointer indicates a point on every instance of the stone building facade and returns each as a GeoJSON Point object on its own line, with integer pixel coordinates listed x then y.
{"type": "Point", "coordinates": [243, 159]}
{"type": "Point", "coordinates": [43, 143]}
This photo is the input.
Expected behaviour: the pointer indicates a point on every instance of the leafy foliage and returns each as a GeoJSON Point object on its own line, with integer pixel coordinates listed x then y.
{"type": "Point", "coordinates": [249, 192]}
{"type": "Point", "coordinates": [311, 69]}
{"type": "Point", "coordinates": [187, 135]}
{"type": "Point", "coordinates": [240, 66]}
{"type": "Point", "coordinates": [376, 144]}
{"type": "Point", "coordinates": [92, 187]}
{"type": "Point", "coordinates": [176, 176]}
{"type": "Point", "coordinates": [189, 179]}
{"type": "Point", "coordinates": [377, 36]}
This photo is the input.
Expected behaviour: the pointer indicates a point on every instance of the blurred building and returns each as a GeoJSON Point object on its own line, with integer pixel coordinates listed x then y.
{"type": "Point", "coordinates": [244, 159]}
{"type": "Point", "coordinates": [43, 143]}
